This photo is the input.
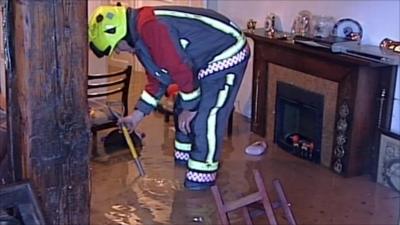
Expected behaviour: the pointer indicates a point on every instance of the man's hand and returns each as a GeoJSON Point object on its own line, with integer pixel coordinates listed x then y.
{"type": "Point", "coordinates": [184, 120]}
{"type": "Point", "coordinates": [131, 121]}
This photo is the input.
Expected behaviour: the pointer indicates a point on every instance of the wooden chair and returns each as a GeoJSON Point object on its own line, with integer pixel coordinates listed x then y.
{"type": "Point", "coordinates": [19, 205]}
{"type": "Point", "coordinates": [102, 88]}
{"type": "Point", "coordinates": [257, 201]}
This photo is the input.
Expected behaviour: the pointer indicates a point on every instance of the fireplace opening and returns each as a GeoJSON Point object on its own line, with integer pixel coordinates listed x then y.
{"type": "Point", "coordinates": [298, 121]}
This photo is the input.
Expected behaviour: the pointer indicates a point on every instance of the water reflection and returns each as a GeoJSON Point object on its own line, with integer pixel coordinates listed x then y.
{"type": "Point", "coordinates": [123, 215]}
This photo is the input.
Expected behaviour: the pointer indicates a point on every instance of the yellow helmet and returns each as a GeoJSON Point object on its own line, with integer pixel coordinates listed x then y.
{"type": "Point", "coordinates": [107, 26]}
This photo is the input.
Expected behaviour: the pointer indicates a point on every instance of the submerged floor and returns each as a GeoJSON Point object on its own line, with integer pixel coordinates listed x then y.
{"type": "Point", "coordinates": [318, 196]}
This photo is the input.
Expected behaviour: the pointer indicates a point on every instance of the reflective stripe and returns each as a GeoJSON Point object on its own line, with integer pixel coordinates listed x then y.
{"type": "Point", "coordinates": [210, 165]}
{"type": "Point", "coordinates": [190, 96]}
{"type": "Point", "coordinates": [231, 50]}
{"type": "Point", "coordinates": [230, 78]}
{"type": "Point", "coordinates": [224, 64]}
{"type": "Point", "coordinates": [184, 43]}
{"type": "Point", "coordinates": [241, 40]}
{"type": "Point", "coordinates": [182, 155]}
{"type": "Point", "coordinates": [201, 177]}
{"type": "Point", "coordinates": [211, 124]}
{"type": "Point", "coordinates": [183, 146]}
{"type": "Point", "coordinates": [202, 166]}
{"type": "Point", "coordinates": [146, 97]}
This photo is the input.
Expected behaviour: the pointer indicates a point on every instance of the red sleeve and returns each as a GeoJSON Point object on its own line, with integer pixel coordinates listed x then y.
{"type": "Point", "coordinates": [165, 55]}
{"type": "Point", "coordinates": [152, 85]}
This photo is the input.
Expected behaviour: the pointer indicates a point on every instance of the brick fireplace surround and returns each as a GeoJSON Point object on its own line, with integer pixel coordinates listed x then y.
{"type": "Point", "coordinates": [351, 88]}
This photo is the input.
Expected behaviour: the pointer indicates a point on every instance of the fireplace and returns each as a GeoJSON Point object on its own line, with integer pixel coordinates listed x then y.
{"type": "Point", "coordinates": [298, 121]}
{"type": "Point", "coordinates": [350, 88]}
{"type": "Point", "coordinates": [311, 98]}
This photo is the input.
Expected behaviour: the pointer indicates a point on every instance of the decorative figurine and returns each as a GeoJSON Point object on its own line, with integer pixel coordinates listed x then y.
{"type": "Point", "coordinates": [295, 140]}
{"type": "Point", "coordinates": [251, 25]}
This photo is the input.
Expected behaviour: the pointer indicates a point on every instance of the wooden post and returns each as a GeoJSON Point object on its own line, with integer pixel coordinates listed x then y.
{"type": "Point", "coordinates": [47, 104]}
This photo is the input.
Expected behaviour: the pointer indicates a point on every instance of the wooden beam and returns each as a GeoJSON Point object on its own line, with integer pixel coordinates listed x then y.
{"type": "Point", "coordinates": [47, 105]}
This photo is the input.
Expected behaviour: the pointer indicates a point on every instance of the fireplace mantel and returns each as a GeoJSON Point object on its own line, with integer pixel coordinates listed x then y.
{"type": "Point", "coordinates": [360, 83]}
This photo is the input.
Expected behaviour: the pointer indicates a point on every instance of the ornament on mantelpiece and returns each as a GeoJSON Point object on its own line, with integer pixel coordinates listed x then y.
{"type": "Point", "coordinates": [322, 26]}
{"type": "Point", "coordinates": [251, 25]}
{"type": "Point", "coordinates": [269, 25]}
{"type": "Point", "coordinates": [302, 23]}
{"type": "Point", "coordinates": [348, 28]}
{"type": "Point", "coordinates": [390, 45]}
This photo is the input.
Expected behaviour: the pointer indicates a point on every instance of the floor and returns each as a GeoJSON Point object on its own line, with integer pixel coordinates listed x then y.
{"type": "Point", "coordinates": [317, 195]}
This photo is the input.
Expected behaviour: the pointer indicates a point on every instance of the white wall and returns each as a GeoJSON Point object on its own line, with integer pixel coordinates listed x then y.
{"type": "Point", "coordinates": [379, 19]}
{"type": "Point", "coordinates": [243, 99]}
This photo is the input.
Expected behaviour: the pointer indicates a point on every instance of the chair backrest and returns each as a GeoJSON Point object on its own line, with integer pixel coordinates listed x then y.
{"type": "Point", "coordinates": [100, 85]}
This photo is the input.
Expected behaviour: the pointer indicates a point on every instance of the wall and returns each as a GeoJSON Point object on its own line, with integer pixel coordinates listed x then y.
{"type": "Point", "coordinates": [379, 19]}
{"type": "Point", "coordinates": [243, 99]}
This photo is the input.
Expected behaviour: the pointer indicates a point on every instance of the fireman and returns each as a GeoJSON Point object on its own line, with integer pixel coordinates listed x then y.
{"type": "Point", "coordinates": [201, 51]}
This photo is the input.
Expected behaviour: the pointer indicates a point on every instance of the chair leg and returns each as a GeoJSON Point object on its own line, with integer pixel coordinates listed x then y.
{"type": "Point", "coordinates": [246, 215]}
{"type": "Point", "coordinates": [283, 202]}
{"type": "Point", "coordinates": [166, 117]}
{"type": "Point", "coordinates": [220, 206]}
{"type": "Point", "coordinates": [265, 199]}
{"type": "Point", "coordinates": [94, 144]}
{"type": "Point", "coordinates": [230, 122]}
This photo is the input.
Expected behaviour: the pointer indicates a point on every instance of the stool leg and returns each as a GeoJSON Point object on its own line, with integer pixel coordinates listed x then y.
{"type": "Point", "coordinates": [166, 117]}
{"type": "Point", "coordinates": [220, 206]}
{"type": "Point", "coordinates": [283, 202]}
{"type": "Point", "coordinates": [246, 215]}
{"type": "Point", "coordinates": [265, 199]}
{"type": "Point", "coordinates": [230, 123]}
{"type": "Point", "coordinates": [94, 144]}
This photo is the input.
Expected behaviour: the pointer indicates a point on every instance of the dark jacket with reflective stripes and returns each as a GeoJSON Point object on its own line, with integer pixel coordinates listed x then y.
{"type": "Point", "coordinates": [174, 43]}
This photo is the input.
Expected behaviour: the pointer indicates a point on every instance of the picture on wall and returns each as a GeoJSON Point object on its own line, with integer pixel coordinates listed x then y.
{"type": "Point", "coordinates": [389, 162]}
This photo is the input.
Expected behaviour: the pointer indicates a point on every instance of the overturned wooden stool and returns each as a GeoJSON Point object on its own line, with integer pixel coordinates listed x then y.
{"type": "Point", "coordinates": [258, 200]}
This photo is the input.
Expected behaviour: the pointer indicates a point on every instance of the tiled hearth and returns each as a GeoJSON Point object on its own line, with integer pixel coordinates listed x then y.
{"type": "Point", "coordinates": [328, 89]}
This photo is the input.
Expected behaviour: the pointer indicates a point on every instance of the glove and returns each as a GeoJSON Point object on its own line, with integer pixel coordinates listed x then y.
{"type": "Point", "coordinates": [184, 120]}
{"type": "Point", "coordinates": [131, 121]}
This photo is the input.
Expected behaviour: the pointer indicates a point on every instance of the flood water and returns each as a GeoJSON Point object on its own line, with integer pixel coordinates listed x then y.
{"type": "Point", "coordinates": [318, 196]}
